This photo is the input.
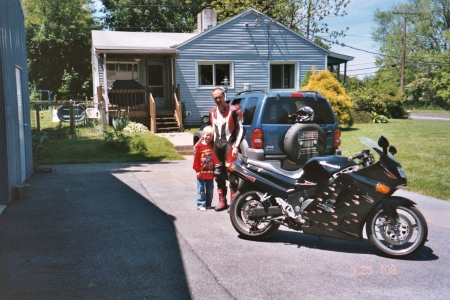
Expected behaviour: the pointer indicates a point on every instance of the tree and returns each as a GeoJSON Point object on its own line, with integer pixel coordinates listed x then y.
{"type": "Point", "coordinates": [303, 16]}
{"type": "Point", "coordinates": [152, 15]}
{"type": "Point", "coordinates": [325, 83]}
{"type": "Point", "coordinates": [426, 47]}
{"type": "Point", "coordinates": [58, 43]}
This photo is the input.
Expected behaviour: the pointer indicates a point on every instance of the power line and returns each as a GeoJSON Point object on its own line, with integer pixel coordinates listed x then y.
{"type": "Point", "coordinates": [362, 69]}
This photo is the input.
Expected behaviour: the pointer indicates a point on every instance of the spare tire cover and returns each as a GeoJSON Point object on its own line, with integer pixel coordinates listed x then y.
{"type": "Point", "coordinates": [303, 141]}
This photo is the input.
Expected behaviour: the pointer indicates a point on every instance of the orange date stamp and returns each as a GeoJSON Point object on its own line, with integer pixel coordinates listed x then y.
{"type": "Point", "coordinates": [373, 270]}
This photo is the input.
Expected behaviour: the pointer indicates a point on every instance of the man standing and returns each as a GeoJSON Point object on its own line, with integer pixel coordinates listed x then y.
{"type": "Point", "coordinates": [228, 134]}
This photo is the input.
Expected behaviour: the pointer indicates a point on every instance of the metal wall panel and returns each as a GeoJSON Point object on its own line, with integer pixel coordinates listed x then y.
{"type": "Point", "coordinates": [12, 56]}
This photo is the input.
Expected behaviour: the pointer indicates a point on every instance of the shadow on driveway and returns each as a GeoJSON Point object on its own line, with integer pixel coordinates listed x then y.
{"type": "Point", "coordinates": [88, 236]}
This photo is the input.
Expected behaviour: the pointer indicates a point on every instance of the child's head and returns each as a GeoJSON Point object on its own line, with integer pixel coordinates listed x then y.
{"type": "Point", "coordinates": [208, 134]}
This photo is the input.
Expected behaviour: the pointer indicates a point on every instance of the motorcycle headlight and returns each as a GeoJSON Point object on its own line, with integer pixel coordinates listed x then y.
{"type": "Point", "coordinates": [401, 172]}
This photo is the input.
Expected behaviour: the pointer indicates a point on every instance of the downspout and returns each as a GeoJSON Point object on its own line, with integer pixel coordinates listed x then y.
{"type": "Point", "coordinates": [105, 83]}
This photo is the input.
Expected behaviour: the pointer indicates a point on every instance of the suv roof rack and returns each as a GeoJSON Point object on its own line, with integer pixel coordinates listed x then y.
{"type": "Point", "coordinates": [251, 91]}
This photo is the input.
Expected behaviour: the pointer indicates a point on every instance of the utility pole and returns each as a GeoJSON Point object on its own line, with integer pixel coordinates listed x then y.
{"type": "Point", "coordinates": [402, 71]}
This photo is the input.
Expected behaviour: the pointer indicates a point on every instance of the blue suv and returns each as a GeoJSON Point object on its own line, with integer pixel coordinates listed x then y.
{"type": "Point", "coordinates": [271, 135]}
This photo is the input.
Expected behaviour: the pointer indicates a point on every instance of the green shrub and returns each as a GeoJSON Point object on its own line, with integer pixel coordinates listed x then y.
{"type": "Point", "coordinates": [325, 83]}
{"type": "Point", "coordinates": [361, 116]}
{"type": "Point", "coordinates": [370, 100]}
{"type": "Point", "coordinates": [306, 78]}
{"type": "Point", "coordinates": [118, 141]}
{"type": "Point", "coordinates": [379, 118]}
{"type": "Point", "coordinates": [119, 123]}
{"type": "Point", "coordinates": [38, 141]}
{"type": "Point", "coordinates": [133, 127]}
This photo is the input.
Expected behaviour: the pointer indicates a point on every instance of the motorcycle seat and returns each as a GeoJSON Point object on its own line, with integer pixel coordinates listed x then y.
{"type": "Point", "coordinates": [270, 167]}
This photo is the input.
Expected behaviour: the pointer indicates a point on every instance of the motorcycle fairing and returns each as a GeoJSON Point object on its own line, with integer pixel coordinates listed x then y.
{"type": "Point", "coordinates": [320, 169]}
{"type": "Point", "coordinates": [339, 210]}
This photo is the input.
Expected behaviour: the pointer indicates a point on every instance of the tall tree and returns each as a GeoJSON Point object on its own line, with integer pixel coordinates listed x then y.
{"type": "Point", "coordinates": [58, 45]}
{"type": "Point", "coordinates": [152, 15]}
{"type": "Point", "coordinates": [303, 16]}
{"type": "Point", "coordinates": [426, 45]}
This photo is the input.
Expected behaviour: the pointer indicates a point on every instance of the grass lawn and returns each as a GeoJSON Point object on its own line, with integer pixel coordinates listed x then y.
{"type": "Point", "coordinates": [85, 148]}
{"type": "Point", "coordinates": [423, 150]}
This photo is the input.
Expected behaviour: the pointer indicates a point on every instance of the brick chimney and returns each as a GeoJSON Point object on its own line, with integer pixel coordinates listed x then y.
{"type": "Point", "coordinates": [206, 19]}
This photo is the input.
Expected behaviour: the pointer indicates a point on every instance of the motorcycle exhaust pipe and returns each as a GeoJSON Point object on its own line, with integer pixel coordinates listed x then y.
{"type": "Point", "coordinates": [273, 211]}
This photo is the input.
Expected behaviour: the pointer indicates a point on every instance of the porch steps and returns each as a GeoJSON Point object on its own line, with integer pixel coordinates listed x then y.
{"type": "Point", "coordinates": [185, 150]}
{"type": "Point", "coordinates": [166, 121]}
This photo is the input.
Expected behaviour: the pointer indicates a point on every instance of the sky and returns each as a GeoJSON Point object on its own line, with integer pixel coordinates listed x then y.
{"type": "Point", "coordinates": [359, 19]}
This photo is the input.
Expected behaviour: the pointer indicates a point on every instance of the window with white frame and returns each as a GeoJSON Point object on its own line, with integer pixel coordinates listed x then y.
{"type": "Point", "coordinates": [212, 74]}
{"type": "Point", "coordinates": [121, 71]}
{"type": "Point", "coordinates": [282, 76]}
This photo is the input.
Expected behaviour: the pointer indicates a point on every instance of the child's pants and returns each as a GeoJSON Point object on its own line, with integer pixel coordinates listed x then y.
{"type": "Point", "coordinates": [205, 189]}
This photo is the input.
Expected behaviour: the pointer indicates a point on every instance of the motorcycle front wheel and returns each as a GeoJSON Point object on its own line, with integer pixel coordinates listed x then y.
{"type": "Point", "coordinates": [398, 240]}
{"type": "Point", "coordinates": [248, 227]}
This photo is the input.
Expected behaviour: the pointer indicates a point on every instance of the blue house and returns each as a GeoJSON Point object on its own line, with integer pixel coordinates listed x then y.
{"type": "Point", "coordinates": [248, 51]}
{"type": "Point", "coordinates": [16, 159]}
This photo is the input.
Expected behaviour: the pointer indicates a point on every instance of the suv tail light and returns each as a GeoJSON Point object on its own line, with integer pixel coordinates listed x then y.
{"type": "Point", "coordinates": [337, 140]}
{"type": "Point", "coordinates": [257, 138]}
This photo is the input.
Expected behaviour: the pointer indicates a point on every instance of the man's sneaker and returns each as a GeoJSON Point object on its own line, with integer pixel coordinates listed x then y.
{"type": "Point", "coordinates": [221, 205]}
{"type": "Point", "coordinates": [201, 208]}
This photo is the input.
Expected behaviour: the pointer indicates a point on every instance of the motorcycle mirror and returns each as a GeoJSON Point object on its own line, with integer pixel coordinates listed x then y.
{"type": "Point", "coordinates": [383, 143]}
{"type": "Point", "coordinates": [393, 150]}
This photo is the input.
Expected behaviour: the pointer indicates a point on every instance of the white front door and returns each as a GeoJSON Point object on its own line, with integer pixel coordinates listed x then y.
{"type": "Point", "coordinates": [21, 124]}
{"type": "Point", "coordinates": [156, 83]}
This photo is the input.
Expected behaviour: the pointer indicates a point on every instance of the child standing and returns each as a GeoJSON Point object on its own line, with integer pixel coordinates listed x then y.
{"type": "Point", "coordinates": [204, 168]}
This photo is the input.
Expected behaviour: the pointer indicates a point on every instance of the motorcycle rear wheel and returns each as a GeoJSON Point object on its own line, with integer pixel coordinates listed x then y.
{"type": "Point", "coordinates": [247, 227]}
{"type": "Point", "coordinates": [411, 235]}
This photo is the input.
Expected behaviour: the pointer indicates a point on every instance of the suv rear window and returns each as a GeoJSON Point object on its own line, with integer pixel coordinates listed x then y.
{"type": "Point", "coordinates": [249, 110]}
{"type": "Point", "coordinates": [277, 112]}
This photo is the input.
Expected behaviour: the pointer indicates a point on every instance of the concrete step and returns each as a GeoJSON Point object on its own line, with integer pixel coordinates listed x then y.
{"type": "Point", "coordinates": [185, 150]}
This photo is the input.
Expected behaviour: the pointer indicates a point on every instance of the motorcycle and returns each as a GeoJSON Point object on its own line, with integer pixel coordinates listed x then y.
{"type": "Point", "coordinates": [331, 196]}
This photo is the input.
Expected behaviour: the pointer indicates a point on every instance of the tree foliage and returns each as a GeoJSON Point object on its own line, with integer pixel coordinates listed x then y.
{"type": "Point", "coordinates": [325, 83]}
{"type": "Point", "coordinates": [152, 15]}
{"type": "Point", "coordinates": [426, 53]}
{"type": "Point", "coordinates": [58, 44]}
{"type": "Point", "coordinates": [303, 16]}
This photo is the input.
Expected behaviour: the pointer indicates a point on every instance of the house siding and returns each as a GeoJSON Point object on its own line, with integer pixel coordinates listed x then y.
{"type": "Point", "coordinates": [12, 56]}
{"type": "Point", "coordinates": [250, 49]}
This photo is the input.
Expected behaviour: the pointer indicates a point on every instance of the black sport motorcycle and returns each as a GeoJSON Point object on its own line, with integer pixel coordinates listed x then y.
{"type": "Point", "coordinates": [332, 196]}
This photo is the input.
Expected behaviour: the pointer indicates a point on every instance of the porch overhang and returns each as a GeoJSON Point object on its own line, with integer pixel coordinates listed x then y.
{"type": "Point", "coordinates": [336, 59]}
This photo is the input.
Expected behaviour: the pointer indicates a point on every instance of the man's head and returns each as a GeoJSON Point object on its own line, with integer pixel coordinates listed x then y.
{"type": "Point", "coordinates": [219, 96]}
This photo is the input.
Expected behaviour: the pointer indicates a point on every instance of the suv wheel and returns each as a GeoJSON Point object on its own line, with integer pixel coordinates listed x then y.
{"type": "Point", "coordinates": [303, 141]}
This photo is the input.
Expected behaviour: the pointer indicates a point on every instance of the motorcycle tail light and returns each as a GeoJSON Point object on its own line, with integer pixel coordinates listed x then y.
{"type": "Point", "coordinates": [231, 168]}
{"type": "Point", "coordinates": [257, 138]}
{"type": "Point", "coordinates": [337, 140]}
{"type": "Point", "coordinates": [381, 188]}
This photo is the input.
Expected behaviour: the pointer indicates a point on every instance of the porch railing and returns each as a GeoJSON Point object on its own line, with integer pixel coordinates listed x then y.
{"type": "Point", "coordinates": [178, 113]}
{"type": "Point", "coordinates": [128, 100]}
{"type": "Point", "coordinates": [152, 111]}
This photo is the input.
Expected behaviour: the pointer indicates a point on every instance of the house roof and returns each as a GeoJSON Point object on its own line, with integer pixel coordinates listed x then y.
{"type": "Point", "coordinates": [127, 42]}
{"type": "Point", "coordinates": [249, 11]}
{"type": "Point", "coordinates": [337, 58]}
{"type": "Point", "coordinates": [137, 42]}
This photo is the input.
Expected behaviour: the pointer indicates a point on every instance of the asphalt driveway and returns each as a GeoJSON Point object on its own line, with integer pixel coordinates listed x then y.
{"type": "Point", "coordinates": [132, 231]}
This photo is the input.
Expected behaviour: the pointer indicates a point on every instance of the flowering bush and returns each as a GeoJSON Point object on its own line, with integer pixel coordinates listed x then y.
{"type": "Point", "coordinates": [325, 83]}
{"type": "Point", "coordinates": [133, 127]}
